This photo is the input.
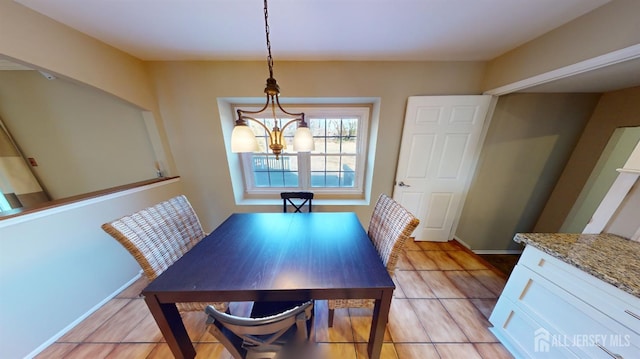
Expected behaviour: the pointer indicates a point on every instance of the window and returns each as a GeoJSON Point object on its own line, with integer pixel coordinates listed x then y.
{"type": "Point", "coordinates": [335, 167]}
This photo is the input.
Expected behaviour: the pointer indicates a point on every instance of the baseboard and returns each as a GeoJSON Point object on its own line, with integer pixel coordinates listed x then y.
{"type": "Point", "coordinates": [497, 251]}
{"type": "Point", "coordinates": [487, 251]}
{"type": "Point", "coordinates": [463, 243]}
{"type": "Point", "coordinates": [64, 331]}
{"type": "Point", "coordinates": [426, 240]}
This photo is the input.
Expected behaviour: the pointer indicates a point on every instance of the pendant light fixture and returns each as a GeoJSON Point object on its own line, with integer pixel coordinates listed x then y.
{"type": "Point", "coordinates": [243, 139]}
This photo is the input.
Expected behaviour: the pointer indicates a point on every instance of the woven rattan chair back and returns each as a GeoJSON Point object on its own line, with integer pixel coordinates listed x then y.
{"type": "Point", "coordinates": [158, 236]}
{"type": "Point", "coordinates": [261, 337]}
{"type": "Point", "coordinates": [390, 227]}
{"type": "Point", "coordinates": [296, 201]}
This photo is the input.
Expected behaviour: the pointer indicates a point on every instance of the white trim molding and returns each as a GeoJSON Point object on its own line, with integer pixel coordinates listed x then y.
{"type": "Point", "coordinates": [611, 58]}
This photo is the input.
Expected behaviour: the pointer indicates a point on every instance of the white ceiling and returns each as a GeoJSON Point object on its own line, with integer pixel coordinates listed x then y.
{"type": "Point", "coordinates": [466, 30]}
{"type": "Point", "coordinates": [436, 30]}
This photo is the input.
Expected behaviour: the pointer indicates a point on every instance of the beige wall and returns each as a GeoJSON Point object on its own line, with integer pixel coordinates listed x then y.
{"type": "Point", "coordinates": [611, 27]}
{"type": "Point", "coordinates": [187, 92]}
{"type": "Point", "coordinates": [43, 261]}
{"type": "Point", "coordinates": [615, 109]}
{"type": "Point", "coordinates": [527, 145]}
{"type": "Point", "coordinates": [614, 156]}
{"type": "Point", "coordinates": [82, 139]}
{"type": "Point", "coordinates": [38, 41]}
{"type": "Point", "coordinates": [58, 265]}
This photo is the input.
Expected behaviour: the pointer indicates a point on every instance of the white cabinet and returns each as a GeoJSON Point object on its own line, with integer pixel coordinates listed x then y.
{"type": "Point", "coordinates": [550, 309]}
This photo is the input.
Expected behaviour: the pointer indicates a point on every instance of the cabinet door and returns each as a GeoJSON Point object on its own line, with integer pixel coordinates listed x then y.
{"type": "Point", "coordinates": [522, 335]}
{"type": "Point", "coordinates": [613, 302]}
{"type": "Point", "coordinates": [565, 320]}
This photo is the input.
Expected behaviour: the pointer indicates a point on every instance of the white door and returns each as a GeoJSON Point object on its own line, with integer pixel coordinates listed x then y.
{"type": "Point", "coordinates": [438, 153]}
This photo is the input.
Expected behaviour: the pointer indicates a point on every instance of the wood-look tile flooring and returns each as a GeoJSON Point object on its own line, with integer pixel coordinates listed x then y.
{"type": "Point", "coordinates": [444, 295]}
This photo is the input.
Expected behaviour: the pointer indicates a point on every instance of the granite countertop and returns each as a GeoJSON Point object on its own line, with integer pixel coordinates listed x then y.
{"type": "Point", "coordinates": [614, 259]}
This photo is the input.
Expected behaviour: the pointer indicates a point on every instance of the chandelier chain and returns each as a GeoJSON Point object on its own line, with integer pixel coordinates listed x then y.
{"type": "Point", "coordinates": [266, 28]}
{"type": "Point", "coordinates": [243, 139]}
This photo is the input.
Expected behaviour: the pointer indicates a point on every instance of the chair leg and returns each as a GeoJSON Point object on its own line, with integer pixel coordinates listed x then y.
{"type": "Point", "coordinates": [302, 332]}
{"type": "Point", "coordinates": [233, 346]}
{"type": "Point", "coordinates": [331, 317]}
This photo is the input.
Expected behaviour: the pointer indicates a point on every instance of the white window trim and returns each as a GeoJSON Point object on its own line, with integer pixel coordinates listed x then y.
{"type": "Point", "coordinates": [227, 121]}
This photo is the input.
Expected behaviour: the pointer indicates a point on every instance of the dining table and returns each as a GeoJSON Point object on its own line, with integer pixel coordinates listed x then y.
{"type": "Point", "coordinates": [274, 257]}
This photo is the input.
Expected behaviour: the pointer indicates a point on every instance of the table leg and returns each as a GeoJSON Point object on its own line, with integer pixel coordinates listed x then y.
{"type": "Point", "coordinates": [379, 324]}
{"type": "Point", "coordinates": [170, 323]}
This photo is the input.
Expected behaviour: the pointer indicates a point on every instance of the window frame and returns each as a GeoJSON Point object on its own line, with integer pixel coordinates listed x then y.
{"type": "Point", "coordinates": [361, 111]}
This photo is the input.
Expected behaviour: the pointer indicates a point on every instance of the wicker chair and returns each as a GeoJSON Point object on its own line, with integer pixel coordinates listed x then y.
{"type": "Point", "coordinates": [158, 236]}
{"type": "Point", "coordinates": [390, 226]}
{"type": "Point", "coordinates": [262, 336]}
{"type": "Point", "coordinates": [297, 201]}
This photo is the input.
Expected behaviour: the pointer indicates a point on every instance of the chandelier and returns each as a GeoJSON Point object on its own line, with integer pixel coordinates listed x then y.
{"type": "Point", "coordinates": [243, 139]}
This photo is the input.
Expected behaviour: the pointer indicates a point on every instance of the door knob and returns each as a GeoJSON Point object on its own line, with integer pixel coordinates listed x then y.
{"type": "Point", "coordinates": [402, 184]}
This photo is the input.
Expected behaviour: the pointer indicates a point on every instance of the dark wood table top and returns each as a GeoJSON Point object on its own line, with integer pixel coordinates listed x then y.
{"type": "Point", "coordinates": [277, 256]}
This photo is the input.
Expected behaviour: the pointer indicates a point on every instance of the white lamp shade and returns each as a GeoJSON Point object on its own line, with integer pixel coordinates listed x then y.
{"type": "Point", "coordinates": [303, 140]}
{"type": "Point", "coordinates": [243, 140]}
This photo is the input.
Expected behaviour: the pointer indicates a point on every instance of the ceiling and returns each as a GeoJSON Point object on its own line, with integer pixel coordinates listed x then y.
{"type": "Point", "coordinates": [304, 30]}
{"type": "Point", "coordinates": [465, 30]}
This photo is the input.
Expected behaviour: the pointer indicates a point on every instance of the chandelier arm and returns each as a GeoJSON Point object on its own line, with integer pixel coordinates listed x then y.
{"type": "Point", "coordinates": [300, 114]}
{"type": "Point", "coordinates": [258, 122]}
{"type": "Point", "coordinates": [241, 111]}
{"type": "Point", "coordinates": [290, 122]}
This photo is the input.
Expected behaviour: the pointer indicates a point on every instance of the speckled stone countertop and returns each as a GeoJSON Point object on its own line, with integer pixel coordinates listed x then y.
{"type": "Point", "coordinates": [613, 259]}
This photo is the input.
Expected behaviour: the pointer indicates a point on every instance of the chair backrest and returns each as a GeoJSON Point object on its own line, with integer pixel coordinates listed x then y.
{"type": "Point", "coordinates": [157, 236]}
{"type": "Point", "coordinates": [390, 226]}
{"type": "Point", "coordinates": [296, 200]}
{"type": "Point", "coordinates": [255, 337]}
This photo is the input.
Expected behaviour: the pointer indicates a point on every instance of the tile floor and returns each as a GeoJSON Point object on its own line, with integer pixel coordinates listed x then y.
{"type": "Point", "coordinates": [444, 295]}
